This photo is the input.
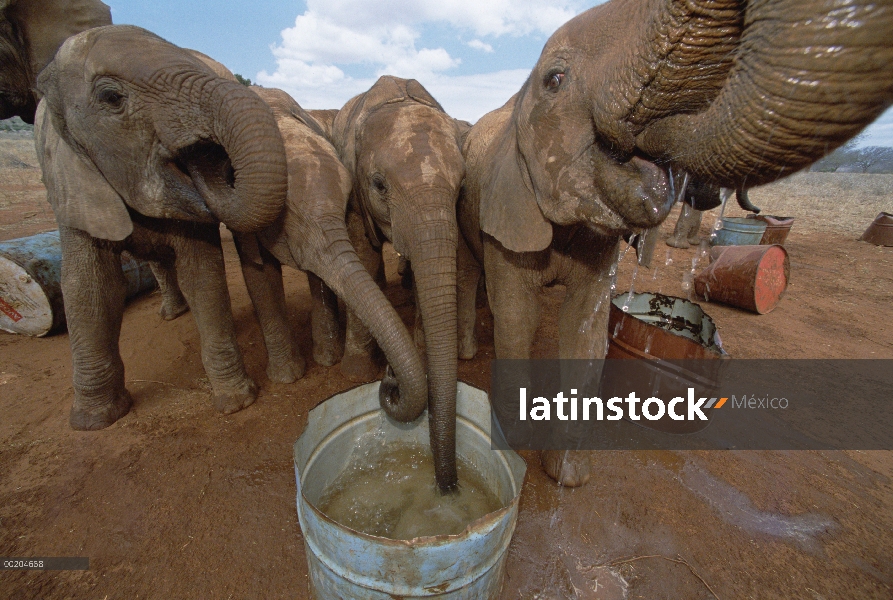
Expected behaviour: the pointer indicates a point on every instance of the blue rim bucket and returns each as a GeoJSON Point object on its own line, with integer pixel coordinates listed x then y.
{"type": "Point", "coordinates": [345, 563]}
{"type": "Point", "coordinates": [737, 231]}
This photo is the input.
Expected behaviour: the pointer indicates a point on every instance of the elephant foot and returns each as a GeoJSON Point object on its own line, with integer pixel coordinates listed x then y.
{"type": "Point", "coordinates": [694, 240]}
{"type": "Point", "coordinates": [287, 371]}
{"type": "Point", "coordinates": [570, 468]}
{"type": "Point", "coordinates": [172, 306]}
{"type": "Point", "coordinates": [361, 367]}
{"type": "Point", "coordinates": [327, 352]}
{"type": "Point", "coordinates": [235, 400]}
{"type": "Point", "coordinates": [468, 346]}
{"type": "Point", "coordinates": [84, 418]}
{"type": "Point", "coordinates": [677, 242]}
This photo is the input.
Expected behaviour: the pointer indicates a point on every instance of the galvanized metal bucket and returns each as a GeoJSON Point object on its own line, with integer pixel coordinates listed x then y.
{"type": "Point", "coordinates": [31, 283]}
{"type": "Point", "coordinates": [737, 231]}
{"type": "Point", "coordinates": [344, 563]}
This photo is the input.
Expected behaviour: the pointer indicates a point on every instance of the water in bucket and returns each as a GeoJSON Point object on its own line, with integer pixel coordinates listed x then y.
{"type": "Point", "coordinates": [389, 491]}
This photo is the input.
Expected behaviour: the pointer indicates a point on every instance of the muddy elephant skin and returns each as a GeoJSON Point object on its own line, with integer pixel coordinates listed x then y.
{"type": "Point", "coordinates": [144, 148]}
{"type": "Point", "coordinates": [625, 98]}
{"type": "Point", "coordinates": [404, 155]}
{"type": "Point", "coordinates": [311, 235]}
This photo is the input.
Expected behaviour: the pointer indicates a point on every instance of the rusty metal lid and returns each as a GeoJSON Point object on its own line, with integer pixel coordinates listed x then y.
{"type": "Point", "coordinates": [880, 232]}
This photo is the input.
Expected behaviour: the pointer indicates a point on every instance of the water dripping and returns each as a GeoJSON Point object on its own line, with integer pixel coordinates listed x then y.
{"type": "Point", "coordinates": [724, 195]}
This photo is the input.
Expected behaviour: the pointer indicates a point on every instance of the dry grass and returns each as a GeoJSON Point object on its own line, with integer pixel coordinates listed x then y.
{"type": "Point", "coordinates": [840, 202]}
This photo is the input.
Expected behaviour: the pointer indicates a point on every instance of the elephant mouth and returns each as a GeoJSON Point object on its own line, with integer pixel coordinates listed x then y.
{"type": "Point", "coordinates": [635, 194]}
{"type": "Point", "coordinates": [199, 177]}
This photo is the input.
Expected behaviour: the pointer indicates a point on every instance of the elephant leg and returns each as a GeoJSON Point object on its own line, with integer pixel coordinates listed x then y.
{"type": "Point", "coordinates": [264, 282]}
{"type": "Point", "coordinates": [679, 239]}
{"type": "Point", "coordinates": [514, 302]}
{"type": "Point", "coordinates": [173, 304]}
{"type": "Point", "coordinates": [360, 362]}
{"type": "Point", "coordinates": [582, 334]}
{"type": "Point", "coordinates": [327, 345]}
{"type": "Point", "coordinates": [202, 276]}
{"type": "Point", "coordinates": [467, 277]}
{"type": "Point", "coordinates": [694, 230]}
{"type": "Point", "coordinates": [94, 289]}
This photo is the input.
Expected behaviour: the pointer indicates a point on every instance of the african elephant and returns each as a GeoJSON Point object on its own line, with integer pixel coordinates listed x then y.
{"type": "Point", "coordinates": [403, 153]}
{"type": "Point", "coordinates": [311, 235]}
{"type": "Point", "coordinates": [30, 33]}
{"type": "Point", "coordinates": [143, 148]}
{"type": "Point", "coordinates": [625, 96]}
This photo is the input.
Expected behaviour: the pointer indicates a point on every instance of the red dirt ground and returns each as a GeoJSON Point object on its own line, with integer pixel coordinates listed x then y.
{"type": "Point", "coordinates": [178, 501]}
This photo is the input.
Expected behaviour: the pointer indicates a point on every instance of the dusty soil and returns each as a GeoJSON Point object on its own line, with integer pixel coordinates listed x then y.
{"type": "Point", "coordinates": [178, 501]}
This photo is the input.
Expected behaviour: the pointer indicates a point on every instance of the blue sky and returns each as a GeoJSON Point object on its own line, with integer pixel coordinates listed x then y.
{"type": "Point", "coordinates": [472, 55]}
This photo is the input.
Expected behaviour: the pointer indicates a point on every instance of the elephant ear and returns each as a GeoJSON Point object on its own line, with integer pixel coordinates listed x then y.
{"type": "Point", "coordinates": [46, 24]}
{"type": "Point", "coordinates": [80, 196]}
{"type": "Point", "coordinates": [417, 92]}
{"type": "Point", "coordinates": [509, 211]}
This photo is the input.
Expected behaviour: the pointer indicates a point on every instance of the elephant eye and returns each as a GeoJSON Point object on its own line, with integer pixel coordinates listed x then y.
{"type": "Point", "coordinates": [554, 81]}
{"type": "Point", "coordinates": [111, 97]}
{"type": "Point", "coordinates": [379, 184]}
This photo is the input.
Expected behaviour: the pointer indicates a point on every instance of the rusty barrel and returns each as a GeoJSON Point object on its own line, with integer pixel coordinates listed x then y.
{"type": "Point", "coordinates": [31, 283]}
{"type": "Point", "coordinates": [777, 228]}
{"type": "Point", "coordinates": [344, 563]}
{"type": "Point", "coordinates": [880, 232]}
{"type": "Point", "coordinates": [750, 277]}
{"type": "Point", "coordinates": [676, 344]}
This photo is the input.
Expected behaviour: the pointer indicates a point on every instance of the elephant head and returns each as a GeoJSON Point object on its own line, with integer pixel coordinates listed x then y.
{"type": "Point", "coordinates": [130, 121]}
{"type": "Point", "coordinates": [734, 93]}
{"type": "Point", "coordinates": [30, 33]}
{"type": "Point", "coordinates": [405, 155]}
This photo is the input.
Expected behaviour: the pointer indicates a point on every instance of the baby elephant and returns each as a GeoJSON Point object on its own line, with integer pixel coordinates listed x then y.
{"type": "Point", "coordinates": [310, 234]}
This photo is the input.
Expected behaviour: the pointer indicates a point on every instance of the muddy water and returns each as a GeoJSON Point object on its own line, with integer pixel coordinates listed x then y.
{"type": "Point", "coordinates": [393, 494]}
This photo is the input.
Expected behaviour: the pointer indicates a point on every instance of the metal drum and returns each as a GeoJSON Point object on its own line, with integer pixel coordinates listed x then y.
{"type": "Point", "coordinates": [31, 283]}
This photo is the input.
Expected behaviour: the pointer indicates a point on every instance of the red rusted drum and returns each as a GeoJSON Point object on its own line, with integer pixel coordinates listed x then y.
{"type": "Point", "coordinates": [674, 340]}
{"type": "Point", "coordinates": [777, 228]}
{"type": "Point", "coordinates": [880, 232]}
{"type": "Point", "coordinates": [750, 277]}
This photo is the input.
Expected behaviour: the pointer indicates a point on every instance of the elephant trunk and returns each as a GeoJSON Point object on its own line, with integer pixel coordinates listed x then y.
{"type": "Point", "coordinates": [336, 263]}
{"type": "Point", "coordinates": [432, 243]}
{"type": "Point", "coordinates": [251, 193]}
{"type": "Point", "coordinates": [805, 77]}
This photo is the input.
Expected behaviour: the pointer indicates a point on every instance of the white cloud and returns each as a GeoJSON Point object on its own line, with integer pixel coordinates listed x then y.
{"type": "Point", "coordinates": [479, 45]}
{"type": "Point", "coordinates": [879, 133]}
{"type": "Point", "coordinates": [335, 36]}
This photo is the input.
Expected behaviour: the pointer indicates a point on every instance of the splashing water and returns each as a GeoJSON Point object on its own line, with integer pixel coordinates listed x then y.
{"type": "Point", "coordinates": [724, 195]}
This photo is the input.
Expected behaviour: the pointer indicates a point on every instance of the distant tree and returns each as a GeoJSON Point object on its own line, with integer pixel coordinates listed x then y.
{"type": "Point", "coordinates": [243, 80]}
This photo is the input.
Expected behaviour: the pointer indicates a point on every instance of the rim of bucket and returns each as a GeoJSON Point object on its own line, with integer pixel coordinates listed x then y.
{"type": "Point", "coordinates": [708, 336]}
{"type": "Point", "coordinates": [505, 458]}
{"type": "Point", "coordinates": [31, 312]}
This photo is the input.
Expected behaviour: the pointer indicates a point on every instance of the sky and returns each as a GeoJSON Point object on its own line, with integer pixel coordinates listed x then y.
{"type": "Point", "coordinates": [472, 55]}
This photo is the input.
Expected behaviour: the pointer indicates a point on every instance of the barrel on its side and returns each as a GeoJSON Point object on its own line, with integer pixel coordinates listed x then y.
{"type": "Point", "coordinates": [750, 277]}
{"type": "Point", "coordinates": [880, 232]}
{"type": "Point", "coordinates": [31, 283]}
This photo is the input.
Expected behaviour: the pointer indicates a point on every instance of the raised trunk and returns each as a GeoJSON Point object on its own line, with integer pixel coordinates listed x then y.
{"type": "Point", "coordinates": [336, 263]}
{"type": "Point", "coordinates": [244, 125]}
{"type": "Point", "coordinates": [806, 76]}
{"type": "Point", "coordinates": [432, 240]}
